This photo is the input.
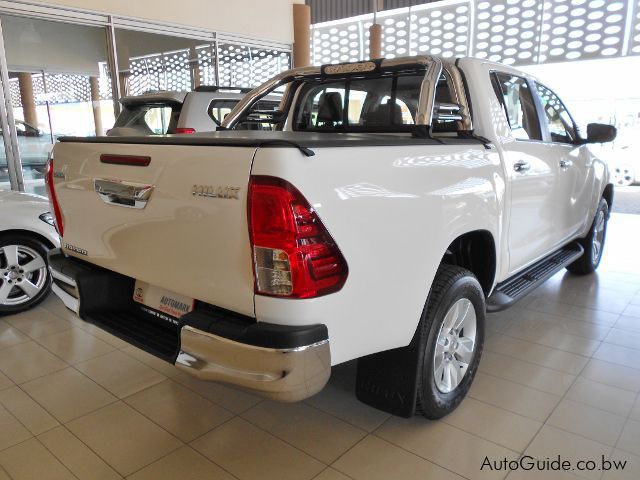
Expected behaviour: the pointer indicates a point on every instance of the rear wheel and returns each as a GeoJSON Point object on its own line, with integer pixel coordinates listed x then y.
{"type": "Point", "coordinates": [24, 275]}
{"type": "Point", "coordinates": [593, 243]}
{"type": "Point", "coordinates": [452, 336]}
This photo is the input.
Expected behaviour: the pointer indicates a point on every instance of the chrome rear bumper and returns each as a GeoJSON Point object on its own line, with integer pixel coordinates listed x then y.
{"type": "Point", "coordinates": [284, 374]}
{"type": "Point", "coordinates": [284, 363]}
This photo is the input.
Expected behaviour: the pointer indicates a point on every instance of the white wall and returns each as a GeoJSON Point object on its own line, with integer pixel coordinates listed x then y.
{"type": "Point", "coordinates": [268, 19]}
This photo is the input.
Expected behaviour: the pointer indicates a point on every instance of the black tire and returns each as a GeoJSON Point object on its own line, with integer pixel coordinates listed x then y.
{"type": "Point", "coordinates": [451, 284]}
{"type": "Point", "coordinates": [588, 263]}
{"type": "Point", "coordinates": [40, 277]}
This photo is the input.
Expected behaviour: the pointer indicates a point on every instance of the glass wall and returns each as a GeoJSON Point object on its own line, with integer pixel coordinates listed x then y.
{"type": "Point", "coordinates": [59, 85]}
{"type": "Point", "coordinates": [4, 167]}
{"type": "Point", "coordinates": [59, 81]}
{"type": "Point", "coordinates": [150, 62]}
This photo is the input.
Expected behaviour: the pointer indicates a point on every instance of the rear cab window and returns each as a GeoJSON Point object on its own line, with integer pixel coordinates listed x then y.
{"type": "Point", "coordinates": [386, 103]}
{"type": "Point", "coordinates": [149, 119]}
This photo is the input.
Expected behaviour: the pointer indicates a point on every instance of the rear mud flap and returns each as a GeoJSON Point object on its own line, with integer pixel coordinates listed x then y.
{"type": "Point", "coordinates": [388, 380]}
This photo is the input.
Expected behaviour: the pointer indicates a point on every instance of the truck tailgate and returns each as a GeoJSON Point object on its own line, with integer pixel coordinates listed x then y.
{"type": "Point", "coordinates": [193, 244]}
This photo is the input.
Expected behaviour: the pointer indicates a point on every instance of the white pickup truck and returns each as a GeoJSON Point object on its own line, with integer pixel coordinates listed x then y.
{"type": "Point", "coordinates": [396, 202]}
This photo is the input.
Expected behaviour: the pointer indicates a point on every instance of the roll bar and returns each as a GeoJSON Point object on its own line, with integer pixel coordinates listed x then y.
{"type": "Point", "coordinates": [424, 116]}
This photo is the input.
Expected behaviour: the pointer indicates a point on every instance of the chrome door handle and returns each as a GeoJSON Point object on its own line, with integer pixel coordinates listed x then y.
{"type": "Point", "coordinates": [566, 163]}
{"type": "Point", "coordinates": [122, 194]}
{"type": "Point", "coordinates": [521, 166]}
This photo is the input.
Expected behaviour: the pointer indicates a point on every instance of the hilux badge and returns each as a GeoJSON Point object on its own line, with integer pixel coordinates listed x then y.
{"type": "Point", "coordinates": [215, 191]}
{"type": "Point", "coordinates": [73, 248]}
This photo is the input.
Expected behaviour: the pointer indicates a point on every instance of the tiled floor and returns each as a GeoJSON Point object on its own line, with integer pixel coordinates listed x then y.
{"type": "Point", "coordinates": [560, 375]}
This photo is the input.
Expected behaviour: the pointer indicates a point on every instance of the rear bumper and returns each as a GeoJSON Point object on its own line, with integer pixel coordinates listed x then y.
{"type": "Point", "coordinates": [285, 363]}
{"type": "Point", "coordinates": [284, 374]}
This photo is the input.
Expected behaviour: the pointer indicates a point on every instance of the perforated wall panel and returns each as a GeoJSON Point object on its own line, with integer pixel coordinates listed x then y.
{"type": "Point", "coordinates": [395, 33]}
{"type": "Point", "coordinates": [582, 29]}
{"type": "Point", "coordinates": [507, 30]}
{"type": "Point", "coordinates": [206, 56]}
{"type": "Point", "coordinates": [343, 42]}
{"type": "Point", "coordinates": [516, 32]}
{"type": "Point", "coordinates": [163, 71]}
{"type": "Point", "coordinates": [440, 30]}
{"type": "Point", "coordinates": [235, 65]}
{"type": "Point", "coordinates": [634, 41]}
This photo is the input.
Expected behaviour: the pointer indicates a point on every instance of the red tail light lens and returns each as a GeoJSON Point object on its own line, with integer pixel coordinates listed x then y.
{"type": "Point", "coordinates": [53, 199]}
{"type": "Point", "coordinates": [294, 255]}
{"type": "Point", "coordinates": [185, 130]}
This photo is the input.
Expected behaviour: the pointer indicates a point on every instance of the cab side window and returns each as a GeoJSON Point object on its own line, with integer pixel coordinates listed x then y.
{"type": "Point", "coordinates": [517, 100]}
{"type": "Point", "coordinates": [560, 123]}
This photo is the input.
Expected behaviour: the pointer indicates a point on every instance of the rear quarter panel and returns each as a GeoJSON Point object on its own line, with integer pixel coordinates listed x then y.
{"type": "Point", "coordinates": [393, 211]}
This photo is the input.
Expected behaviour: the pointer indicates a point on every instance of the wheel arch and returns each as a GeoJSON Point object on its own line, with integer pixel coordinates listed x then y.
{"type": "Point", "coordinates": [607, 194]}
{"type": "Point", "coordinates": [28, 233]}
{"type": "Point", "coordinates": [476, 251]}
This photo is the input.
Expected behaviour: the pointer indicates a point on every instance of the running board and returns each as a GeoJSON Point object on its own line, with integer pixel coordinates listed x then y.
{"type": "Point", "coordinates": [513, 289]}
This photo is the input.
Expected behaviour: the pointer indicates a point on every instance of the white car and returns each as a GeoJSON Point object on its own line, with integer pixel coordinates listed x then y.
{"type": "Point", "coordinates": [625, 165]}
{"type": "Point", "coordinates": [27, 233]}
{"type": "Point", "coordinates": [159, 113]}
{"type": "Point", "coordinates": [400, 201]}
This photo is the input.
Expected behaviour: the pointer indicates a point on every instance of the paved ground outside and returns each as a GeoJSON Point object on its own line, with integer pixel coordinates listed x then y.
{"type": "Point", "coordinates": [627, 200]}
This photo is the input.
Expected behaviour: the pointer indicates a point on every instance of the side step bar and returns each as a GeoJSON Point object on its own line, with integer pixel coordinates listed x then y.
{"type": "Point", "coordinates": [513, 289]}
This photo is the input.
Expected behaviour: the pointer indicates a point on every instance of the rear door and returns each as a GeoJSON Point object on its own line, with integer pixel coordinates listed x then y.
{"type": "Point", "coordinates": [186, 230]}
{"type": "Point", "coordinates": [532, 175]}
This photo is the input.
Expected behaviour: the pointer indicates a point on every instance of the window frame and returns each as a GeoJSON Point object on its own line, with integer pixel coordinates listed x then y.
{"type": "Point", "coordinates": [211, 107]}
{"type": "Point", "coordinates": [544, 125]}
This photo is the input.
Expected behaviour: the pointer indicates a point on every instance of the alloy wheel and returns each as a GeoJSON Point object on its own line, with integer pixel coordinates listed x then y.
{"type": "Point", "coordinates": [598, 237]}
{"type": "Point", "coordinates": [455, 345]}
{"type": "Point", "coordinates": [23, 274]}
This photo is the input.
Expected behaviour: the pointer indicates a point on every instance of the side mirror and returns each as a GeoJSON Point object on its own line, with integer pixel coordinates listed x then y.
{"type": "Point", "coordinates": [601, 133]}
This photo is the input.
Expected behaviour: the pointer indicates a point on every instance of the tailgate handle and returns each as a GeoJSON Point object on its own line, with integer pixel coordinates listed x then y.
{"type": "Point", "coordinates": [123, 194]}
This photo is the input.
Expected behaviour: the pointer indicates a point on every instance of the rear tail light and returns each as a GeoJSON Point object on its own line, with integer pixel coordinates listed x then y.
{"type": "Point", "coordinates": [185, 130]}
{"type": "Point", "coordinates": [53, 199]}
{"type": "Point", "coordinates": [294, 255]}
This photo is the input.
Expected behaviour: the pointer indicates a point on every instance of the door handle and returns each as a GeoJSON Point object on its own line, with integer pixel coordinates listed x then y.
{"type": "Point", "coordinates": [521, 166]}
{"type": "Point", "coordinates": [122, 194]}
{"type": "Point", "coordinates": [564, 164]}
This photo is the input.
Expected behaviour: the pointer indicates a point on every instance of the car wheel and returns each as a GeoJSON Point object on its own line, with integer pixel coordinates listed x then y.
{"type": "Point", "coordinates": [593, 243]}
{"type": "Point", "coordinates": [623, 176]}
{"type": "Point", "coordinates": [452, 336]}
{"type": "Point", "coordinates": [24, 274]}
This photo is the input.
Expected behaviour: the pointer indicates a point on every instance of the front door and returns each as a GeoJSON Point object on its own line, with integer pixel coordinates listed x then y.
{"type": "Point", "coordinates": [575, 175]}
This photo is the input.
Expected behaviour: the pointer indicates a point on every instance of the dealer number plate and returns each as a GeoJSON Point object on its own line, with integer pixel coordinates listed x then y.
{"type": "Point", "coordinates": [162, 300]}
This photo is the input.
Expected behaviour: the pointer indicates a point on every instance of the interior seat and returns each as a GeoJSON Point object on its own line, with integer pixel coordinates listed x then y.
{"type": "Point", "coordinates": [330, 110]}
{"type": "Point", "coordinates": [379, 117]}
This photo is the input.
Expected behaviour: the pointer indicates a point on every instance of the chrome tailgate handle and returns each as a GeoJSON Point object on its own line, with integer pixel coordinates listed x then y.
{"type": "Point", "coordinates": [123, 194]}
